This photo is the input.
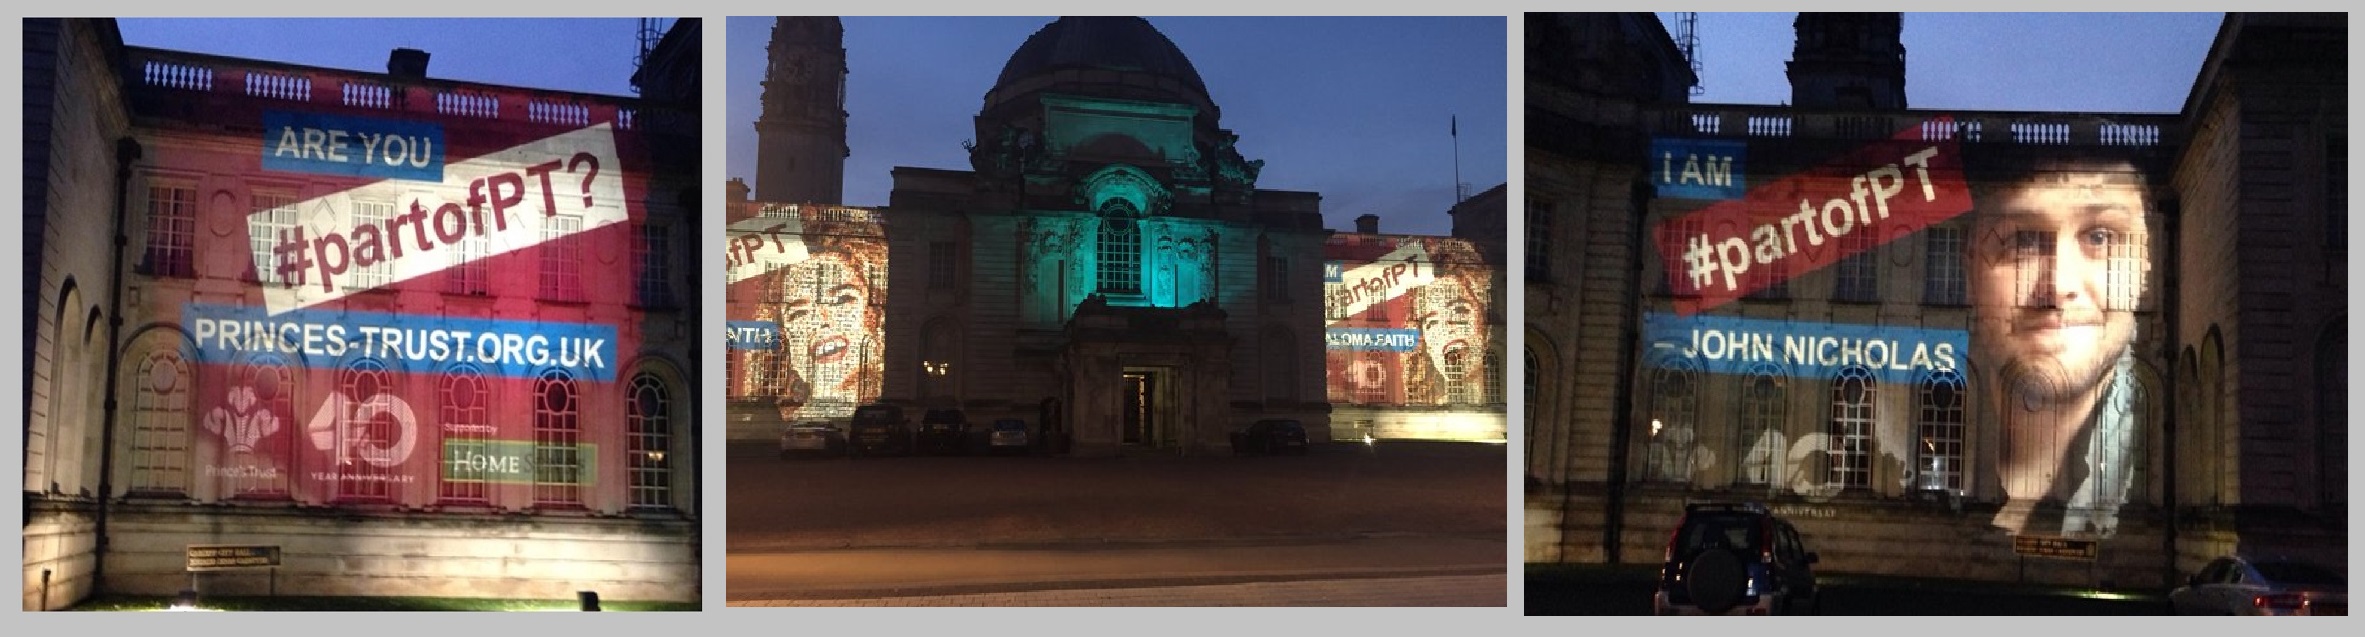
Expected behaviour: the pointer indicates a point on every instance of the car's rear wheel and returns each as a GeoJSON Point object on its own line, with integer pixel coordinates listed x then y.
{"type": "Point", "coordinates": [1716, 580]}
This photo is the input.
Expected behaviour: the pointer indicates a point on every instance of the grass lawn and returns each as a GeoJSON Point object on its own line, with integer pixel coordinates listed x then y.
{"type": "Point", "coordinates": [300, 603]}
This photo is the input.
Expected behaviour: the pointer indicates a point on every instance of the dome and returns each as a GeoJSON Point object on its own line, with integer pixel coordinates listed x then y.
{"type": "Point", "coordinates": [1110, 43]}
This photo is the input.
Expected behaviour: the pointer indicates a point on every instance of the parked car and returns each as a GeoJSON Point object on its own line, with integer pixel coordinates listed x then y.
{"type": "Point", "coordinates": [878, 430]}
{"type": "Point", "coordinates": [812, 438]}
{"type": "Point", "coordinates": [1009, 435]}
{"type": "Point", "coordinates": [1271, 436]}
{"type": "Point", "coordinates": [944, 431]}
{"type": "Point", "coordinates": [2236, 585]}
{"type": "Point", "coordinates": [1735, 558]}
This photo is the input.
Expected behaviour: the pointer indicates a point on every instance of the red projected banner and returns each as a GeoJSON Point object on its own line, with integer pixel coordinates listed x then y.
{"type": "Point", "coordinates": [463, 330]}
{"type": "Point", "coordinates": [1801, 222]}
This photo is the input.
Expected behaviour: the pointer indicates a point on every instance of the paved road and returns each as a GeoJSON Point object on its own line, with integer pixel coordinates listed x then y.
{"type": "Point", "coordinates": [820, 529]}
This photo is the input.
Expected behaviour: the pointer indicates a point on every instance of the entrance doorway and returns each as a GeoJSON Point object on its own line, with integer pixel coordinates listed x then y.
{"type": "Point", "coordinates": [1141, 404]}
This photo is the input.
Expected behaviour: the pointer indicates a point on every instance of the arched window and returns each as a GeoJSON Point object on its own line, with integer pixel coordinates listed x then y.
{"type": "Point", "coordinates": [1849, 448]}
{"type": "Point", "coordinates": [467, 428]}
{"type": "Point", "coordinates": [1370, 376]}
{"type": "Point", "coordinates": [1759, 450]}
{"type": "Point", "coordinates": [1457, 372]}
{"type": "Point", "coordinates": [363, 467]}
{"type": "Point", "coordinates": [1493, 368]}
{"type": "Point", "coordinates": [1938, 449]}
{"type": "Point", "coordinates": [1527, 403]}
{"type": "Point", "coordinates": [160, 426]}
{"type": "Point", "coordinates": [648, 424]}
{"type": "Point", "coordinates": [1120, 249]}
{"type": "Point", "coordinates": [558, 462]}
{"type": "Point", "coordinates": [265, 389]}
{"type": "Point", "coordinates": [1673, 433]}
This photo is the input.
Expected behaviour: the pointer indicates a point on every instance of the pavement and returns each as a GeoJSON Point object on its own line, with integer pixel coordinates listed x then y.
{"type": "Point", "coordinates": [1437, 591]}
{"type": "Point", "coordinates": [1347, 525]}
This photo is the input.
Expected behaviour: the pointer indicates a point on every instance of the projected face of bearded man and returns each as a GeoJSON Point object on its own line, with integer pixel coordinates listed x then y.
{"type": "Point", "coordinates": [2059, 265]}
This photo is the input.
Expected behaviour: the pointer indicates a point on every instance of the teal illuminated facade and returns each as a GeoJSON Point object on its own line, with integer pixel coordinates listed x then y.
{"type": "Point", "coordinates": [1107, 266]}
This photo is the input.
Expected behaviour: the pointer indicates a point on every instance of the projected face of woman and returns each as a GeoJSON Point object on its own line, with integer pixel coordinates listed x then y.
{"type": "Point", "coordinates": [1449, 324]}
{"type": "Point", "coordinates": [823, 323]}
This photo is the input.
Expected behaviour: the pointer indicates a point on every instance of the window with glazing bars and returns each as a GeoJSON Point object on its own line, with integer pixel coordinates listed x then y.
{"type": "Point", "coordinates": [274, 218]}
{"type": "Point", "coordinates": [1850, 435]}
{"type": "Point", "coordinates": [1938, 454]}
{"type": "Point", "coordinates": [558, 462]}
{"type": "Point", "coordinates": [160, 425]}
{"type": "Point", "coordinates": [172, 231]}
{"type": "Point", "coordinates": [562, 259]}
{"type": "Point", "coordinates": [648, 424]}
{"type": "Point", "coordinates": [1943, 277]}
{"type": "Point", "coordinates": [467, 433]}
{"type": "Point", "coordinates": [379, 271]}
{"type": "Point", "coordinates": [1120, 256]}
{"type": "Point", "coordinates": [364, 446]}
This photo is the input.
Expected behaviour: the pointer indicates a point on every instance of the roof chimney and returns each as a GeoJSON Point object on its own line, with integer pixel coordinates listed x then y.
{"type": "Point", "coordinates": [1368, 224]}
{"type": "Point", "coordinates": [411, 63]}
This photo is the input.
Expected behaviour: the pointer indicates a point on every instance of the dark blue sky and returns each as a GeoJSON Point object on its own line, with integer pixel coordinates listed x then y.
{"type": "Point", "coordinates": [2077, 62]}
{"type": "Point", "coordinates": [1356, 109]}
{"type": "Point", "coordinates": [588, 55]}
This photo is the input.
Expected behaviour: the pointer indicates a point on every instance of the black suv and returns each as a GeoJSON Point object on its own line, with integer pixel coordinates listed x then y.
{"type": "Point", "coordinates": [944, 431]}
{"type": "Point", "coordinates": [878, 429]}
{"type": "Point", "coordinates": [1735, 559]}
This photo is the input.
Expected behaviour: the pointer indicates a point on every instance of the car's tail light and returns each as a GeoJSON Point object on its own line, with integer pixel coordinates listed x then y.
{"type": "Point", "coordinates": [2279, 601]}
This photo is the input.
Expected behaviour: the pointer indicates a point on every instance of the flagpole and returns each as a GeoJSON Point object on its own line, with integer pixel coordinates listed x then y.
{"type": "Point", "coordinates": [1454, 129]}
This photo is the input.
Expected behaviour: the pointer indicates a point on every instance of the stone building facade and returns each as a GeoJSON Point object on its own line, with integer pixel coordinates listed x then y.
{"type": "Point", "coordinates": [1878, 386]}
{"type": "Point", "coordinates": [273, 319]}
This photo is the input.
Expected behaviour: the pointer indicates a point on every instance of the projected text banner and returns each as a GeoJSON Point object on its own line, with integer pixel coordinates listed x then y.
{"type": "Point", "coordinates": [1805, 221]}
{"type": "Point", "coordinates": [326, 338]}
{"type": "Point", "coordinates": [1735, 345]}
{"type": "Point", "coordinates": [508, 200]}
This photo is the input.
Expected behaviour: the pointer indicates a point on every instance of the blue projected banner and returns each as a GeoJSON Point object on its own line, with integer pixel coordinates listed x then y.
{"type": "Point", "coordinates": [753, 334]}
{"type": "Point", "coordinates": [1735, 345]}
{"type": "Point", "coordinates": [352, 146]}
{"type": "Point", "coordinates": [1374, 339]}
{"type": "Point", "coordinates": [1334, 271]}
{"type": "Point", "coordinates": [1698, 168]}
{"type": "Point", "coordinates": [329, 338]}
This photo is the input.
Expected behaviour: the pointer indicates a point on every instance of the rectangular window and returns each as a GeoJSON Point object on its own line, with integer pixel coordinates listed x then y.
{"type": "Point", "coordinates": [1120, 256]}
{"type": "Point", "coordinates": [1779, 290]}
{"type": "Point", "coordinates": [653, 250]}
{"type": "Point", "coordinates": [1943, 284]}
{"type": "Point", "coordinates": [274, 221]}
{"type": "Point", "coordinates": [1859, 273]}
{"type": "Point", "coordinates": [940, 264]}
{"type": "Point", "coordinates": [467, 274]}
{"type": "Point", "coordinates": [1277, 279]}
{"type": "Point", "coordinates": [1849, 444]}
{"type": "Point", "coordinates": [379, 271]}
{"type": "Point", "coordinates": [1672, 283]}
{"type": "Point", "coordinates": [172, 231]}
{"type": "Point", "coordinates": [562, 275]}
{"type": "Point", "coordinates": [1539, 241]}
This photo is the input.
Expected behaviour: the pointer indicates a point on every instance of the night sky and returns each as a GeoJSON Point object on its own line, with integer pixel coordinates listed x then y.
{"type": "Point", "coordinates": [2074, 62]}
{"type": "Point", "coordinates": [1357, 109]}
